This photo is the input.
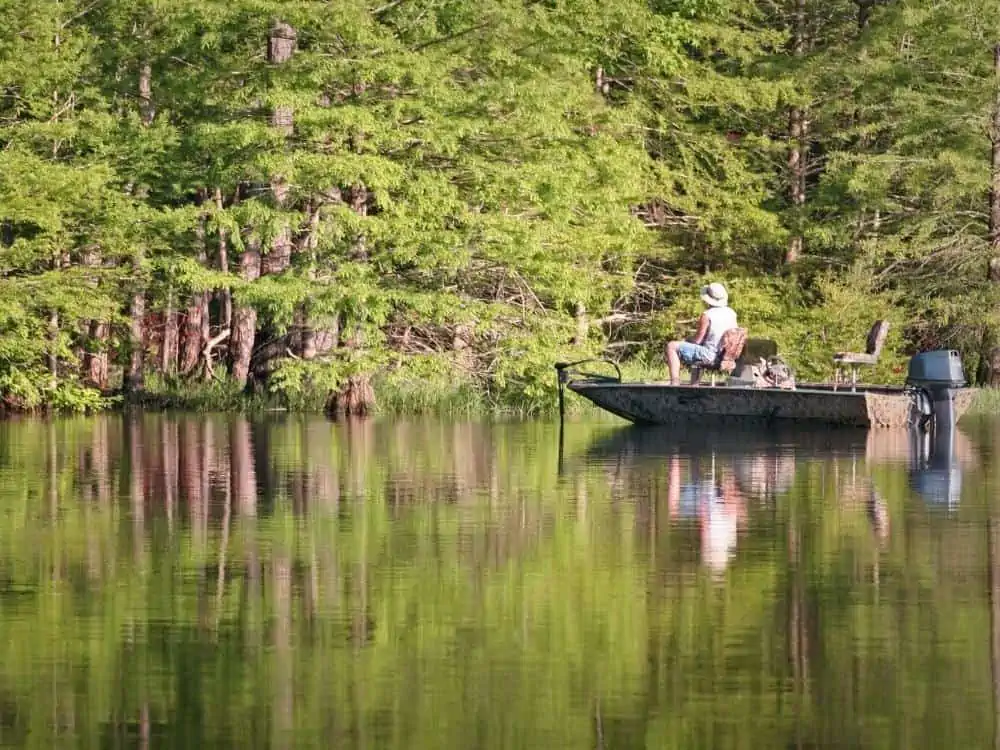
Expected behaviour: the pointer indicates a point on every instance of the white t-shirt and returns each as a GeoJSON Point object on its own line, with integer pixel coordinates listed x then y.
{"type": "Point", "coordinates": [720, 320]}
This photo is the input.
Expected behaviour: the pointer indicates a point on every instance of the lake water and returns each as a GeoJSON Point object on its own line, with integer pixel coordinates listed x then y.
{"type": "Point", "coordinates": [189, 581]}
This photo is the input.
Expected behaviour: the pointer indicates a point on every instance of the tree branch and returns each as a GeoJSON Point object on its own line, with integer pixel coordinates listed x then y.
{"type": "Point", "coordinates": [451, 37]}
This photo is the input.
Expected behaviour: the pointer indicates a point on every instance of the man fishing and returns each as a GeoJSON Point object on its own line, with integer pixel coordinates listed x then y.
{"type": "Point", "coordinates": [703, 349]}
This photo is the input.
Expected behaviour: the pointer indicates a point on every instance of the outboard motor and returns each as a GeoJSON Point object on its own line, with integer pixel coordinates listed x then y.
{"type": "Point", "coordinates": [934, 377]}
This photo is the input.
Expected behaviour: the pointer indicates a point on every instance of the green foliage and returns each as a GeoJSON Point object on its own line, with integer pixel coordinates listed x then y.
{"type": "Point", "coordinates": [222, 395]}
{"type": "Point", "coordinates": [987, 401]}
{"type": "Point", "coordinates": [465, 178]}
{"type": "Point", "coordinates": [429, 383]}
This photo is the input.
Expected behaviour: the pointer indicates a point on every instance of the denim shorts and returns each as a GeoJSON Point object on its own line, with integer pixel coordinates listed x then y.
{"type": "Point", "coordinates": [695, 354]}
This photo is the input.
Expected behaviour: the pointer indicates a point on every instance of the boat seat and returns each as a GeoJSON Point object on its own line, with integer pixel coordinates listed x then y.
{"type": "Point", "coordinates": [731, 347]}
{"type": "Point", "coordinates": [853, 361]}
{"type": "Point", "coordinates": [755, 350]}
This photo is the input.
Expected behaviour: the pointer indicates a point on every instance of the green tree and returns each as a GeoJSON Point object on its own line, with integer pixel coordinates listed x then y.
{"type": "Point", "coordinates": [451, 195]}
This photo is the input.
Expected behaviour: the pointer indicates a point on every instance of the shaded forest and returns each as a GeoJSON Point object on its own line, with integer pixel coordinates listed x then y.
{"type": "Point", "coordinates": [306, 197]}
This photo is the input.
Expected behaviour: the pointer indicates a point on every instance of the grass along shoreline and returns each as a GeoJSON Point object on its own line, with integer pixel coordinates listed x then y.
{"type": "Point", "coordinates": [414, 396]}
{"type": "Point", "coordinates": [396, 393]}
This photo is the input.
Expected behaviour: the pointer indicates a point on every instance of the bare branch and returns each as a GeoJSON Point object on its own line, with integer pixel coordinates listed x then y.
{"type": "Point", "coordinates": [387, 7]}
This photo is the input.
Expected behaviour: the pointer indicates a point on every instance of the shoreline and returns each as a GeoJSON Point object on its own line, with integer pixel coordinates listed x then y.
{"type": "Point", "coordinates": [389, 401]}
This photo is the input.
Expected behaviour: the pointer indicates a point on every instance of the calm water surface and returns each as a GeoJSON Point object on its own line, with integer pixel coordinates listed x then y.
{"type": "Point", "coordinates": [175, 581]}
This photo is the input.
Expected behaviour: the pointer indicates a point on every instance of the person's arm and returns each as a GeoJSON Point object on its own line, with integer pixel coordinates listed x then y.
{"type": "Point", "coordinates": [702, 330]}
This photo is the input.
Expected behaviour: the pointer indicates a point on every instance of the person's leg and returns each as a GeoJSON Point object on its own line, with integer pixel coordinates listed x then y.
{"type": "Point", "coordinates": [674, 362]}
{"type": "Point", "coordinates": [685, 352]}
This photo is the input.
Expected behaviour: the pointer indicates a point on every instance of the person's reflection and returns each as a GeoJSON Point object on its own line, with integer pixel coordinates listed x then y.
{"type": "Point", "coordinates": [878, 515]}
{"type": "Point", "coordinates": [764, 477]}
{"type": "Point", "coordinates": [718, 505]}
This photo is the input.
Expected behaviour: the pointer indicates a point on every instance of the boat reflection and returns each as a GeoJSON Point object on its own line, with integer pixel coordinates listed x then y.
{"type": "Point", "coordinates": [717, 480]}
{"type": "Point", "coordinates": [645, 443]}
{"type": "Point", "coordinates": [937, 462]}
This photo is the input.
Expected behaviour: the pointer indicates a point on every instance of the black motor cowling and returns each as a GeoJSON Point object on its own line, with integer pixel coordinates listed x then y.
{"type": "Point", "coordinates": [935, 377]}
{"type": "Point", "coordinates": [937, 369]}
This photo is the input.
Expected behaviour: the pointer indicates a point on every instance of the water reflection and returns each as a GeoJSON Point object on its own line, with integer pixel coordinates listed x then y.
{"type": "Point", "coordinates": [717, 503]}
{"type": "Point", "coordinates": [937, 461]}
{"type": "Point", "coordinates": [174, 580]}
{"type": "Point", "coordinates": [716, 476]}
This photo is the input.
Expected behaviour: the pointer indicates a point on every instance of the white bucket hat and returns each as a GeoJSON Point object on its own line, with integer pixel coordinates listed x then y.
{"type": "Point", "coordinates": [715, 295]}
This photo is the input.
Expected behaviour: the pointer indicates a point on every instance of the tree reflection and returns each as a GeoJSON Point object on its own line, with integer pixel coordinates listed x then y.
{"type": "Point", "coordinates": [187, 580]}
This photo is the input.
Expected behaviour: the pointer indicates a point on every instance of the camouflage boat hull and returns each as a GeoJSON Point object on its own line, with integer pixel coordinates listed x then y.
{"type": "Point", "coordinates": [658, 403]}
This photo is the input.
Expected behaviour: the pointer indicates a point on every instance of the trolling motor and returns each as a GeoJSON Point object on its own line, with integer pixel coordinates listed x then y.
{"type": "Point", "coordinates": [565, 372]}
{"type": "Point", "coordinates": [933, 378]}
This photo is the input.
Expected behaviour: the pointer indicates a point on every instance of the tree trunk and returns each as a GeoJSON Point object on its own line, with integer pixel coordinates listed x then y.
{"type": "Point", "coordinates": [146, 110]}
{"type": "Point", "coordinates": [315, 337]}
{"type": "Point", "coordinates": [864, 13]}
{"type": "Point", "coordinates": [357, 198]}
{"type": "Point", "coordinates": [797, 149]}
{"type": "Point", "coordinates": [995, 164]}
{"type": "Point", "coordinates": [318, 341]}
{"type": "Point", "coordinates": [134, 376]}
{"type": "Point", "coordinates": [356, 397]}
{"type": "Point", "coordinates": [245, 319]}
{"type": "Point", "coordinates": [171, 335]}
{"type": "Point", "coordinates": [280, 48]}
{"type": "Point", "coordinates": [53, 356]}
{"type": "Point", "coordinates": [987, 372]}
{"type": "Point", "coordinates": [193, 340]}
{"type": "Point", "coordinates": [461, 344]}
{"type": "Point", "coordinates": [582, 324]}
{"type": "Point", "coordinates": [299, 336]}
{"type": "Point", "coordinates": [224, 296]}
{"type": "Point", "coordinates": [96, 360]}
{"type": "Point", "coordinates": [280, 256]}
{"type": "Point", "coordinates": [281, 43]}
{"type": "Point", "coordinates": [196, 328]}
{"type": "Point", "coordinates": [992, 378]}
